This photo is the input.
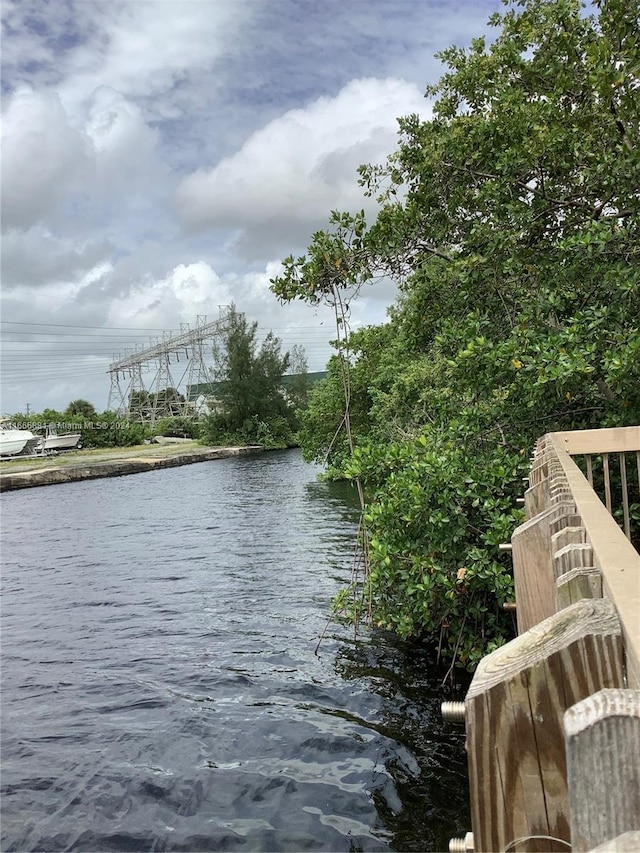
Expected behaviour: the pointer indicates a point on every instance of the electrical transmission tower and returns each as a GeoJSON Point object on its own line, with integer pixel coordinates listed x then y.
{"type": "Point", "coordinates": [173, 362]}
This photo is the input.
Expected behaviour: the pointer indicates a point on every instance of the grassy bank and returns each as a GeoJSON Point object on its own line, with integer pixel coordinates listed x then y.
{"type": "Point", "coordinates": [27, 472]}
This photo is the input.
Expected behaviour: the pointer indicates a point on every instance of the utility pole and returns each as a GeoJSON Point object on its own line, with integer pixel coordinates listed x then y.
{"type": "Point", "coordinates": [28, 409]}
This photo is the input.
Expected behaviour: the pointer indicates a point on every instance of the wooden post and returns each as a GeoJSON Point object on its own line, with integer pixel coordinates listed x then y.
{"type": "Point", "coordinates": [603, 766]}
{"type": "Point", "coordinates": [574, 556]}
{"type": "Point", "coordinates": [536, 498]}
{"type": "Point", "coordinates": [534, 580]}
{"type": "Point", "coordinates": [515, 740]}
{"type": "Point", "coordinates": [568, 518]}
{"type": "Point", "coordinates": [567, 536]}
{"type": "Point", "coordinates": [577, 584]}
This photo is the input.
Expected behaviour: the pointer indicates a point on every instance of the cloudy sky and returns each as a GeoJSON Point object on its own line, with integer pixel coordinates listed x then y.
{"type": "Point", "coordinates": [160, 157]}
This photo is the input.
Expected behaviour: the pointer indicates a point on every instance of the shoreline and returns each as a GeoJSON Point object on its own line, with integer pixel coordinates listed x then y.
{"type": "Point", "coordinates": [115, 462]}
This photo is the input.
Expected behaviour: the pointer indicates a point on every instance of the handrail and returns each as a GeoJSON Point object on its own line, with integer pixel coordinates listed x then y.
{"type": "Point", "coordinates": [552, 718]}
{"type": "Point", "coordinates": [612, 440]}
{"type": "Point", "coordinates": [615, 557]}
{"type": "Point", "coordinates": [605, 443]}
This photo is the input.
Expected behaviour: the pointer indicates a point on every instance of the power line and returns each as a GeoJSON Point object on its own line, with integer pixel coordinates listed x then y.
{"type": "Point", "coordinates": [80, 335]}
{"type": "Point", "coordinates": [66, 353]}
{"type": "Point", "coordinates": [141, 329]}
{"type": "Point", "coordinates": [66, 379]}
{"type": "Point", "coordinates": [80, 326]}
{"type": "Point", "coordinates": [112, 340]}
{"type": "Point", "coordinates": [55, 370]}
{"type": "Point", "coordinates": [67, 348]}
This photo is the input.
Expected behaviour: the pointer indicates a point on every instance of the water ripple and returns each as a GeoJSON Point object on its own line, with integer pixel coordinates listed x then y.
{"type": "Point", "coordinates": [160, 687]}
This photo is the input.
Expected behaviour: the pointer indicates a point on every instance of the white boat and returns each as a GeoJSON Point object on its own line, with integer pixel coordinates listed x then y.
{"type": "Point", "coordinates": [51, 441]}
{"type": "Point", "coordinates": [15, 441]}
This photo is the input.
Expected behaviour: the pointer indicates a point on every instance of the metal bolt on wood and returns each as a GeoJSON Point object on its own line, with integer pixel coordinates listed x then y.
{"type": "Point", "coordinates": [462, 845]}
{"type": "Point", "coordinates": [453, 712]}
{"type": "Point", "coordinates": [505, 546]}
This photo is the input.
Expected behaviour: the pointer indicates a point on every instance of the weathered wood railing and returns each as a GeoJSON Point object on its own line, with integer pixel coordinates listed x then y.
{"type": "Point", "coordinates": [553, 717]}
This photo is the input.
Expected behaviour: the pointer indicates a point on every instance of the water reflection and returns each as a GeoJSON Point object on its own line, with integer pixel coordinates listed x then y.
{"type": "Point", "coordinates": [424, 783]}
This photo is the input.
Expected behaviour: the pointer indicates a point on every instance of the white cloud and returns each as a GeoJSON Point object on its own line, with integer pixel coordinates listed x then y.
{"type": "Point", "coordinates": [132, 194]}
{"type": "Point", "coordinates": [43, 158]}
{"type": "Point", "coordinates": [149, 48]}
{"type": "Point", "coordinates": [289, 174]}
{"type": "Point", "coordinates": [124, 145]}
{"type": "Point", "coordinates": [105, 175]}
{"type": "Point", "coordinates": [184, 292]}
{"type": "Point", "coordinates": [189, 290]}
{"type": "Point", "coordinates": [111, 103]}
{"type": "Point", "coordinates": [34, 258]}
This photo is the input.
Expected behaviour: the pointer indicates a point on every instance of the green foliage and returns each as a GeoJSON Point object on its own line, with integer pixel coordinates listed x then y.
{"type": "Point", "coordinates": [178, 427]}
{"type": "Point", "coordinates": [510, 221]}
{"type": "Point", "coordinates": [337, 258]}
{"type": "Point", "coordinates": [276, 433]}
{"type": "Point", "coordinates": [252, 408]}
{"type": "Point", "coordinates": [80, 409]}
{"type": "Point", "coordinates": [321, 436]}
{"type": "Point", "coordinates": [435, 517]}
{"type": "Point", "coordinates": [370, 370]}
{"type": "Point", "coordinates": [48, 416]}
{"type": "Point", "coordinates": [37, 421]}
{"type": "Point", "coordinates": [110, 430]}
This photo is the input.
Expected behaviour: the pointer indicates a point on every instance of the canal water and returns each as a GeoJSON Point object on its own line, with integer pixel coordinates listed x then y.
{"type": "Point", "coordinates": [160, 687]}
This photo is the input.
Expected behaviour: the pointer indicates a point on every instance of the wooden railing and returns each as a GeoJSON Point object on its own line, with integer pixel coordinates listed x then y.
{"type": "Point", "coordinates": [553, 717]}
{"type": "Point", "coordinates": [608, 450]}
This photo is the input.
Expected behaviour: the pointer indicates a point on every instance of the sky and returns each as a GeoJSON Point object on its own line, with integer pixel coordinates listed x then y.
{"type": "Point", "coordinates": [161, 157]}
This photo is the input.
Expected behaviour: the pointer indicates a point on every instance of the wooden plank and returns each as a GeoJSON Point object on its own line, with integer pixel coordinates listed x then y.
{"type": "Point", "coordinates": [613, 554]}
{"type": "Point", "coordinates": [572, 556]}
{"type": "Point", "coordinates": [539, 470]}
{"type": "Point", "coordinates": [603, 766]}
{"type": "Point", "coordinates": [566, 536]}
{"type": "Point", "coordinates": [557, 488]}
{"type": "Point", "coordinates": [577, 584]}
{"type": "Point", "coordinates": [607, 481]}
{"type": "Point", "coordinates": [565, 517]}
{"type": "Point", "coordinates": [625, 496]}
{"type": "Point", "coordinates": [536, 498]}
{"type": "Point", "coordinates": [514, 709]}
{"type": "Point", "coordinates": [614, 440]}
{"type": "Point", "coordinates": [533, 571]}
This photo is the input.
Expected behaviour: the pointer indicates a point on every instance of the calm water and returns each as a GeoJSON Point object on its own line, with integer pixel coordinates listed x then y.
{"type": "Point", "coordinates": [160, 687]}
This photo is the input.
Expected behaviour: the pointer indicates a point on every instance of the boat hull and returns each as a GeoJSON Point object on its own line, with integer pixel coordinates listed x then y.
{"type": "Point", "coordinates": [14, 441]}
{"type": "Point", "coordinates": [70, 441]}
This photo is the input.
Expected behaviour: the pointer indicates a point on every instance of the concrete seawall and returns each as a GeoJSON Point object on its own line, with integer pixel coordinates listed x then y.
{"type": "Point", "coordinates": [21, 474]}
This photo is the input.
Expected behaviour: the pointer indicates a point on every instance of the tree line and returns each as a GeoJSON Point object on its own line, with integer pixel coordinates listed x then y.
{"type": "Point", "coordinates": [249, 399]}
{"type": "Point", "coordinates": [509, 221]}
